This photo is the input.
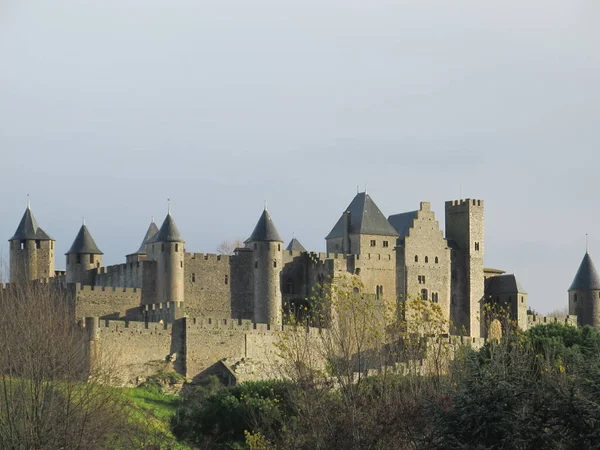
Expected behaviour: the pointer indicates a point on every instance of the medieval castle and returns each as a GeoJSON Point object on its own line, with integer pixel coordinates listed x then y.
{"type": "Point", "coordinates": [197, 309]}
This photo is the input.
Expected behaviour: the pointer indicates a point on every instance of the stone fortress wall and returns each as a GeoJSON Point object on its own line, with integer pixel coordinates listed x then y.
{"type": "Point", "coordinates": [193, 309]}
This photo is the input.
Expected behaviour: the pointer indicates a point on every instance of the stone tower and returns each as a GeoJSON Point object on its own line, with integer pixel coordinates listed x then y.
{"type": "Point", "coordinates": [465, 235]}
{"type": "Point", "coordinates": [584, 294]}
{"type": "Point", "coordinates": [167, 250]}
{"type": "Point", "coordinates": [83, 256]}
{"type": "Point", "coordinates": [266, 245]}
{"type": "Point", "coordinates": [142, 254]}
{"type": "Point", "coordinates": [31, 251]}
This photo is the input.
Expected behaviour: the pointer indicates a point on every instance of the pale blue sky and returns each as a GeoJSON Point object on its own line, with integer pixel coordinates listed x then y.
{"type": "Point", "coordinates": [109, 107]}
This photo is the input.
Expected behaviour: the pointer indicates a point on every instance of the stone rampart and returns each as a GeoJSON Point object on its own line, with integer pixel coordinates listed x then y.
{"type": "Point", "coordinates": [120, 275]}
{"type": "Point", "coordinates": [534, 319]}
{"type": "Point", "coordinates": [106, 302]}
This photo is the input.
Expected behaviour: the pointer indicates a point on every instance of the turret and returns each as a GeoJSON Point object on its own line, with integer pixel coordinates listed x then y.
{"type": "Point", "coordinates": [141, 253]}
{"type": "Point", "coordinates": [167, 250]}
{"type": "Point", "coordinates": [83, 256]}
{"type": "Point", "coordinates": [295, 246]}
{"type": "Point", "coordinates": [266, 245]}
{"type": "Point", "coordinates": [465, 235]}
{"type": "Point", "coordinates": [31, 251]}
{"type": "Point", "coordinates": [584, 294]}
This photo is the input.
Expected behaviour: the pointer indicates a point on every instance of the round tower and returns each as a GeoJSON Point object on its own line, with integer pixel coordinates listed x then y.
{"type": "Point", "coordinates": [169, 256]}
{"type": "Point", "coordinates": [266, 245]}
{"type": "Point", "coordinates": [31, 251]}
{"type": "Point", "coordinates": [584, 294]}
{"type": "Point", "coordinates": [83, 256]}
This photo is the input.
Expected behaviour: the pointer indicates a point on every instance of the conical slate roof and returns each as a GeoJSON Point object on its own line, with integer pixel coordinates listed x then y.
{"type": "Point", "coordinates": [295, 246]}
{"type": "Point", "coordinates": [29, 229]}
{"type": "Point", "coordinates": [587, 277]}
{"type": "Point", "coordinates": [150, 234]}
{"type": "Point", "coordinates": [365, 218]}
{"type": "Point", "coordinates": [265, 230]}
{"type": "Point", "coordinates": [504, 284]}
{"type": "Point", "coordinates": [168, 231]}
{"type": "Point", "coordinates": [84, 243]}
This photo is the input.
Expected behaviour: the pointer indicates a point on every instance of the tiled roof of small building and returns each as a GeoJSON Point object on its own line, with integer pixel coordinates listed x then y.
{"type": "Point", "coordinates": [365, 218]}
{"type": "Point", "coordinates": [587, 277]}
{"type": "Point", "coordinates": [29, 229]}
{"type": "Point", "coordinates": [295, 246]}
{"type": "Point", "coordinates": [84, 243]}
{"type": "Point", "coordinates": [265, 230]}
{"type": "Point", "coordinates": [168, 231]}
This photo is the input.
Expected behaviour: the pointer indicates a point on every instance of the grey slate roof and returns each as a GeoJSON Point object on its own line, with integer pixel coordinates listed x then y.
{"type": "Point", "coordinates": [168, 231]}
{"type": "Point", "coordinates": [29, 229]}
{"type": "Point", "coordinates": [365, 218]}
{"type": "Point", "coordinates": [402, 222]}
{"type": "Point", "coordinates": [587, 277]}
{"type": "Point", "coordinates": [150, 234]}
{"type": "Point", "coordinates": [295, 246]}
{"type": "Point", "coordinates": [84, 243]}
{"type": "Point", "coordinates": [265, 230]}
{"type": "Point", "coordinates": [504, 284]}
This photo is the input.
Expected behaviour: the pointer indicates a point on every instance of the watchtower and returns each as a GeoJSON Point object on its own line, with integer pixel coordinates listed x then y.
{"type": "Point", "coordinates": [266, 245]}
{"type": "Point", "coordinates": [31, 251]}
{"type": "Point", "coordinates": [168, 252]}
{"type": "Point", "coordinates": [584, 294]}
{"type": "Point", "coordinates": [465, 235]}
{"type": "Point", "coordinates": [83, 256]}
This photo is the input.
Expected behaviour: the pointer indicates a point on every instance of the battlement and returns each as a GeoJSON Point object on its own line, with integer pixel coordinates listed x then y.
{"type": "Point", "coordinates": [118, 268]}
{"type": "Point", "coordinates": [85, 288]}
{"type": "Point", "coordinates": [534, 319]}
{"type": "Point", "coordinates": [243, 325]}
{"type": "Point", "coordinates": [120, 326]}
{"type": "Point", "coordinates": [464, 204]}
{"type": "Point", "coordinates": [208, 257]}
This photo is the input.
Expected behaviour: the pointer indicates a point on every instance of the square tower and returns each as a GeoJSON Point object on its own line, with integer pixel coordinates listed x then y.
{"type": "Point", "coordinates": [465, 235]}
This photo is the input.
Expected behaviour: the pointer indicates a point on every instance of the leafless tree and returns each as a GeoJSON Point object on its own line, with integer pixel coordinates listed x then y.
{"type": "Point", "coordinates": [228, 247]}
{"type": "Point", "coordinates": [52, 392]}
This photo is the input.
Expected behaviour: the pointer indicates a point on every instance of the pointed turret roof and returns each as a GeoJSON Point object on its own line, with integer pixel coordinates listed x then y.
{"type": "Point", "coordinates": [587, 277]}
{"type": "Point", "coordinates": [295, 246]}
{"type": "Point", "coordinates": [365, 218]}
{"type": "Point", "coordinates": [168, 231]}
{"type": "Point", "coordinates": [150, 234]}
{"type": "Point", "coordinates": [29, 229]}
{"type": "Point", "coordinates": [265, 229]}
{"type": "Point", "coordinates": [504, 284]}
{"type": "Point", "coordinates": [84, 243]}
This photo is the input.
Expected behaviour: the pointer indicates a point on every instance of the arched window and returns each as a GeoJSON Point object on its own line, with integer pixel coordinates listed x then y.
{"type": "Point", "coordinates": [416, 258]}
{"type": "Point", "coordinates": [427, 259]}
{"type": "Point", "coordinates": [437, 260]}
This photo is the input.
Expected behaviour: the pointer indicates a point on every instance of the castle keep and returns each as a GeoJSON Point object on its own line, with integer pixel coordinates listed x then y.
{"type": "Point", "coordinates": [198, 309]}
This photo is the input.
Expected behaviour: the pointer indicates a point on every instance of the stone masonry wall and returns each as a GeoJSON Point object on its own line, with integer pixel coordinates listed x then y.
{"type": "Point", "coordinates": [105, 302]}
{"type": "Point", "coordinates": [207, 282]}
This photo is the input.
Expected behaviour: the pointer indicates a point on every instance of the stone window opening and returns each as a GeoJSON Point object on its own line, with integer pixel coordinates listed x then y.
{"type": "Point", "coordinates": [274, 263]}
{"type": "Point", "coordinates": [255, 246]}
{"type": "Point", "coordinates": [290, 286]}
{"type": "Point", "coordinates": [575, 297]}
{"type": "Point", "coordinates": [427, 259]}
{"type": "Point", "coordinates": [256, 264]}
{"type": "Point", "coordinates": [386, 244]}
{"type": "Point", "coordinates": [416, 258]}
{"type": "Point", "coordinates": [421, 279]}
{"type": "Point", "coordinates": [373, 243]}
{"type": "Point", "coordinates": [437, 260]}
{"type": "Point", "coordinates": [78, 259]}
{"type": "Point", "coordinates": [476, 246]}
{"type": "Point", "coordinates": [137, 264]}
{"type": "Point", "coordinates": [226, 279]}
{"type": "Point", "coordinates": [38, 244]}
{"type": "Point", "coordinates": [434, 297]}
{"type": "Point", "coordinates": [51, 245]}
{"type": "Point", "coordinates": [278, 247]}
{"type": "Point", "coordinates": [176, 248]}
{"type": "Point", "coordinates": [181, 264]}
{"type": "Point", "coordinates": [193, 278]}
{"type": "Point", "coordinates": [22, 245]}
{"type": "Point", "coordinates": [162, 247]}
{"type": "Point", "coordinates": [357, 271]}
{"type": "Point", "coordinates": [91, 259]}
{"type": "Point", "coordinates": [423, 294]}
{"type": "Point", "coordinates": [522, 300]}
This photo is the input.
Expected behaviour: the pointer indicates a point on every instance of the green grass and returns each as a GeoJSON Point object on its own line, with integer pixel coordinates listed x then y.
{"type": "Point", "coordinates": [152, 414]}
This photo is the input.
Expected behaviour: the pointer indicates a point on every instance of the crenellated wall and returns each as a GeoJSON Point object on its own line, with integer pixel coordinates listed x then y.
{"type": "Point", "coordinates": [105, 302]}
{"type": "Point", "coordinates": [128, 275]}
{"type": "Point", "coordinates": [533, 320]}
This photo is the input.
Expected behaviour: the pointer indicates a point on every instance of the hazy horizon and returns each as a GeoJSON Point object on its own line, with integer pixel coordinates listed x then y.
{"type": "Point", "coordinates": [109, 108]}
